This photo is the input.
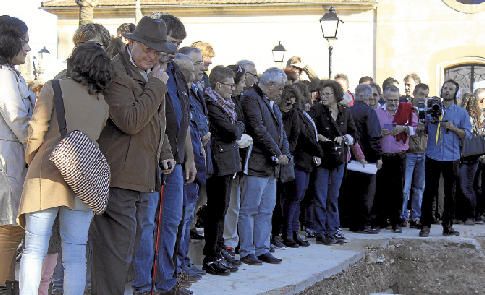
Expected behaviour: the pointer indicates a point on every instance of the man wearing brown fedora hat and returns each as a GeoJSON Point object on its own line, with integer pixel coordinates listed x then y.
{"type": "Point", "coordinates": [135, 145]}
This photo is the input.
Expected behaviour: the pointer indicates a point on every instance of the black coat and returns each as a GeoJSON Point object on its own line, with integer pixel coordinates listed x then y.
{"type": "Point", "coordinates": [307, 146]}
{"type": "Point", "coordinates": [265, 126]}
{"type": "Point", "coordinates": [369, 129]}
{"type": "Point", "coordinates": [224, 133]}
{"type": "Point", "coordinates": [331, 128]}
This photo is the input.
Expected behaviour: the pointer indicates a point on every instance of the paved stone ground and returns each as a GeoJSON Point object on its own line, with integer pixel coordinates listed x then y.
{"type": "Point", "coordinates": [303, 267]}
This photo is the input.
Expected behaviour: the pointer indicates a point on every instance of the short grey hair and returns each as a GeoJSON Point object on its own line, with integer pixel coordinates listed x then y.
{"type": "Point", "coordinates": [181, 57]}
{"type": "Point", "coordinates": [273, 76]}
{"type": "Point", "coordinates": [245, 64]}
{"type": "Point", "coordinates": [189, 50]}
{"type": "Point", "coordinates": [363, 91]}
{"type": "Point", "coordinates": [390, 89]}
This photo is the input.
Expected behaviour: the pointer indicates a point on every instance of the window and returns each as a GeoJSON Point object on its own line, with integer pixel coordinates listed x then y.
{"type": "Point", "coordinates": [466, 6]}
{"type": "Point", "coordinates": [466, 75]}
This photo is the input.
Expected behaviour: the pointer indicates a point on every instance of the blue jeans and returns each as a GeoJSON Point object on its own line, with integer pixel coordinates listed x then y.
{"type": "Point", "coordinates": [413, 182]}
{"type": "Point", "coordinates": [144, 251]}
{"type": "Point", "coordinates": [292, 203]}
{"type": "Point", "coordinates": [466, 174]}
{"type": "Point", "coordinates": [171, 218]}
{"type": "Point", "coordinates": [74, 227]}
{"type": "Point", "coordinates": [327, 187]}
{"type": "Point", "coordinates": [258, 199]}
{"type": "Point", "coordinates": [191, 195]}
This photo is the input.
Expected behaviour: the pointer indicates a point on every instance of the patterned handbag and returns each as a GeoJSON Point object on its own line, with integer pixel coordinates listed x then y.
{"type": "Point", "coordinates": [80, 161]}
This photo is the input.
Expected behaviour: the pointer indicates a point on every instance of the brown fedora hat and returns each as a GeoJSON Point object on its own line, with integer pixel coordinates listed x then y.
{"type": "Point", "coordinates": [152, 33]}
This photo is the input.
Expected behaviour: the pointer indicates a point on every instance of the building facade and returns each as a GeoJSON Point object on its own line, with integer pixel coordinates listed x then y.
{"type": "Point", "coordinates": [437, 39]}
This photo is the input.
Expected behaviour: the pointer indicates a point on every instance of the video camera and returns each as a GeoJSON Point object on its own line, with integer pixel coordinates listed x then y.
{"type": "Point", "coordinates": [433, 108]}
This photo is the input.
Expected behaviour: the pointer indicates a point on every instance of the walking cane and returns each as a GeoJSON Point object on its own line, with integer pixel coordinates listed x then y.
{"type": "Point", "coordinates": [160, 210]}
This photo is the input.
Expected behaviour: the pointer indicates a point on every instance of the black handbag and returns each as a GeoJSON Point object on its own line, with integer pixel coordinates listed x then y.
{"type": "Point", "coordinates": [333, 153]}
{"type": "Point", "coordinates": [474, 146]}
{"type": "Point", "coordinates": [287, 172]}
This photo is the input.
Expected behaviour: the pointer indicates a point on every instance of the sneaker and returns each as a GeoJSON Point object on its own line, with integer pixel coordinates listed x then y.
{"type": "Point", "coordinates": [469, 221]}
{"type": "Point", "coordinates": [251, 260]}
{"type": "Point", "coordinates": [215, 267]}
{"type": "Point", "coordinates": [277, 241]}
{"type": "Point", "coordinates": [269, 258]}
{"type": "Point", "coordinates": [339, 235]}
{"type": "Point", "coordinates": [449, 231]}
{"type": "Point", "coordinates": [424, 232]}
{"type": "Point", "coordinates": [479, 220]}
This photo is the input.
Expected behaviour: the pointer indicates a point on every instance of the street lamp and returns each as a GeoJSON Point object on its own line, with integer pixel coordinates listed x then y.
{"type": "Point", "coordinates": [329, 24]}
{"type": "Point", "coordinates": [39, 64]}
{"type": "Point", "coordinates": [279, 53]}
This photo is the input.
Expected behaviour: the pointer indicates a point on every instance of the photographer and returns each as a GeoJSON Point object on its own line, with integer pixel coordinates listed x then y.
{"type": "Point", "coordinates": [442, 157]}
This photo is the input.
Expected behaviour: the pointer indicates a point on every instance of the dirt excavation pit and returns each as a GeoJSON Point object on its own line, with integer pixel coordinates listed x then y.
{"type": "Point", "coordinates": [413, 266]}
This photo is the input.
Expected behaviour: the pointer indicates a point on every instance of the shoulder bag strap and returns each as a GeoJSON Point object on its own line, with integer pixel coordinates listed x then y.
{"type": "Point", "coordinates": [59, 107]}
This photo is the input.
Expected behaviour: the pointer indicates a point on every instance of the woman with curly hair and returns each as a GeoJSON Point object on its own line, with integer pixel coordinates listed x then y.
{"type": "Point", "coordinates": [336, 132]}
{"type": "Point", "coordinates": [46, 194]}
{"type": "Point", "coordinates": [16, 105]}
{"type": "Point", "coordinates": [469, 165]}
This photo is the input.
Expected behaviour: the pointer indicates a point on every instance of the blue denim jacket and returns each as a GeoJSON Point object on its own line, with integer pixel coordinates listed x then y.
{"type": "Point", "coordinates": [448, 146]}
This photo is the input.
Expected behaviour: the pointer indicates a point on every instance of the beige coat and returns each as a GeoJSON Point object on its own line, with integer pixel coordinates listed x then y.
{"type": "Point", "coordinates": [16, 106]}
{"type": "Point", "coordinates": [44, 187]}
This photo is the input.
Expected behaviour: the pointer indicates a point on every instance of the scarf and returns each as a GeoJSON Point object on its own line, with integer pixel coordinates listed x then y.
{"type": "Point", "coordinates": [227, 105]}
{"type": "Point", "coordinates": [403, 116]}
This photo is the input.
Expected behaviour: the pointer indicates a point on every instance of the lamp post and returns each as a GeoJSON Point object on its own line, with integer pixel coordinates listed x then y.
{"type": "Point", "coordinates": [279, 53]}
{"type": "Point", "coordinates": [329, 24]}
{"type": "Point", "coordinates": [40, 63]}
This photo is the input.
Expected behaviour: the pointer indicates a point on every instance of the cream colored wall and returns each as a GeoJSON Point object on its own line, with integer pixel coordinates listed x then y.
{"type": "Point", "coordinates": [254, 37]}
{"type": "Point", "coordinates": [425, 36]}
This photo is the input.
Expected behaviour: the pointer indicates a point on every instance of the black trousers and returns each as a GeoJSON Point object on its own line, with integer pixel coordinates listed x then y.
{"type": "Point", "coordinates": [390, 182]}
{"type": "Point", "coordinates": [434, 169]}
{"type": "Point", "coordinates": [112, 235]}
{"type": "Point", "coordinates": [218, 195]}
{"type": "Point", "coordinates": [362, 190]}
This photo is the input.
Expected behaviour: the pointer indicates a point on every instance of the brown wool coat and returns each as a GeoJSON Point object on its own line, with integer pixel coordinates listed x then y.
{"type": "Point", "coordinates": [134, 139]}
{"type": "Point", "coordinates": [44, 187]}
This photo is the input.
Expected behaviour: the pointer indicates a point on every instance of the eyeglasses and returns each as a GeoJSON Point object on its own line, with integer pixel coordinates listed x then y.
{"type": "Point", "coordinates": [233, 86]}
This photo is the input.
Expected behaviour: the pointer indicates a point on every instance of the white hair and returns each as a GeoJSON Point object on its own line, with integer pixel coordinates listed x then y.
{"type": "Point", "coordinates": [273, 76]}
{"type": "Point", "coordinates": [362, 91]}
{"type": "Point", "coordinates": [246, 64]}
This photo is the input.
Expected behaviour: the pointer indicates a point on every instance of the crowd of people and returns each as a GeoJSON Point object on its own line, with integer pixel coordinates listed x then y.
{"type": "Point", "coordinates": [265, 160]}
